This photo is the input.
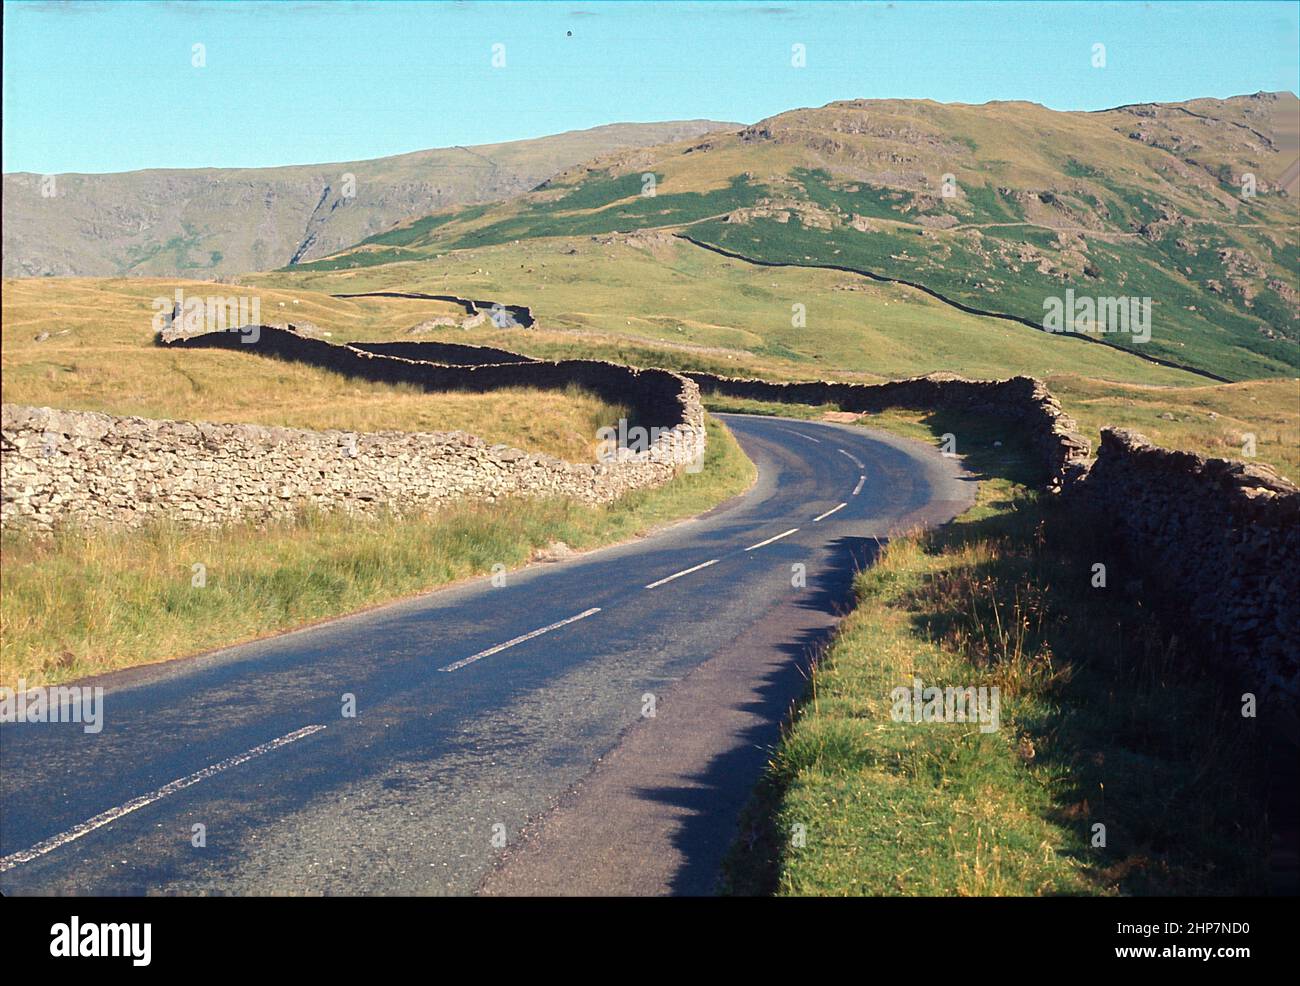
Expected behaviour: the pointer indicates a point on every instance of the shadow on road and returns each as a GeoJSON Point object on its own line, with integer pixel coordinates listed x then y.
{"type": "Point", "coordinates": [716, 798]}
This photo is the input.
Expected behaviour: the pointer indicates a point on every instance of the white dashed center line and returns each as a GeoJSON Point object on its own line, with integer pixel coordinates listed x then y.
{"type": "Point", "coordinates": [770, 540]}
{"type": "Point", "coordinates": [135, 804]}
{"type": "Point", "coordinates": [858, 489]}
{"type": "Point", "coordinates": [802, 435]}
{"type": "Point", "coordinates": [829, 512]}
{"type": "Point", "coordinates": [856, 461]}
{"type": "Point", "coordinates": [519, 640]}
{"type": "Point", "coordinates": [681, 573]}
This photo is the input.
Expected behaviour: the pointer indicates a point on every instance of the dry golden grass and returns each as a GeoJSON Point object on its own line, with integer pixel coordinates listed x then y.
{"type": "Point", "coordinates": [1213, 420]}
{"type": "Point", "coordinates": [100, 356]}
{"type": "Point", "coordinates": [79, 604]}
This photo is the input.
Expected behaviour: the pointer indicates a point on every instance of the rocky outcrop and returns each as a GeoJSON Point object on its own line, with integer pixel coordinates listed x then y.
{"type": "Point", "coordinates": [503, 316]}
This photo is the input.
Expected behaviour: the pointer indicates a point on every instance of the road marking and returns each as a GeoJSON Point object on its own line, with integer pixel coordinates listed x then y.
{"type": "Point", "coordinates": [858, 489]}
{"type": "Point", "coordinates": [829, 512]}
{"type": "Point", "coordinates": [856, 461]}
{"type": "Point", "coordinates": [770, 540]}
{"type": "Point", "coordinates": [519, 640]}
{"type": "Point", "coordinates": [681, 573]}
{"type": "Point", "coordinates": [113, 814]}
{"type": "Point", "coordinates": [802, 435]}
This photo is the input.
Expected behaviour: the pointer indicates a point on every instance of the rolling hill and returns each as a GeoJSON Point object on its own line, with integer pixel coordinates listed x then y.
{"type": "Point", "coordinates": [993, 209]}
{"type": "Point", "coordinates": [210, 222]}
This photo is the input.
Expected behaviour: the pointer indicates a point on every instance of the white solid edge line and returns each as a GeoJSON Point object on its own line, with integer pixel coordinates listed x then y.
{"type": "Point", "coordinates": [687, 571]}
{"type": "Point", "coordinates": [858, 489]}
{"type": "Point", "coordinates": [113, 814]}
{"type": "Point", "coordinates": [519, 640]}
{"type": "Point", "coordinates": [829, 512]}
{"type": "Point", "coordinates": [856, 461]}
{"type": "Point", "coordinates": [770, 540]}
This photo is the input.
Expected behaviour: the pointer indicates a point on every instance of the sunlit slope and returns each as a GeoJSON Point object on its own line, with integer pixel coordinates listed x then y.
{"type": "Point", "coordinates": [652, 299]}
{"type": "Point", "coordinates": [705, 311]}
{"type": "Point", "coordinates": [1040, 202]}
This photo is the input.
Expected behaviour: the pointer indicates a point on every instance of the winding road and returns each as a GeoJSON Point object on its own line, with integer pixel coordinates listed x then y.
{"type": "Point", "coordinates": [592, 726]}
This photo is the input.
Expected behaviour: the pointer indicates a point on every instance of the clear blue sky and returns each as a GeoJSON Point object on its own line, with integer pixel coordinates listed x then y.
{"type": "Point", "coordinates": [110, 86]}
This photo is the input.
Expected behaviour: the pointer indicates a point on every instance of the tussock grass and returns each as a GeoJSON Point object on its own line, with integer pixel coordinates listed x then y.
{"type": "Point", "coordinates": [81, 605]}
{"type": "Point", "coordinates": [1105, 718]}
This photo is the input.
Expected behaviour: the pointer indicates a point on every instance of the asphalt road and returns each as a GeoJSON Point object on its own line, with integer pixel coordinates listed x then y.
{"type": "Point", "coordinates": [480, 709]}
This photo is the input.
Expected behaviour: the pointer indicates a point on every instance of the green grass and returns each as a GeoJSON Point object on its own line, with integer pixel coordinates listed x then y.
{"type": "Point", "coordinates": [600, 205]}
{"type": "Point", "coordinates": [676, 306]}
{"type": "Point", "coordinates": [79, 605]}
{"type": "Point", "coordinates": [728, 316]}
{"type": "Point", "coordinates": [421, 228]}
{"type": "Point", "coordinates": [1213, 420]}
{"type": "Point", "coordinates": [1190, 326]}
{"type": "Point", "coordinates": [1100, 723]}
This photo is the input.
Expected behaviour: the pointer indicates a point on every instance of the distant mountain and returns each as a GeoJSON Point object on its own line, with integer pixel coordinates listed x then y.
{"type": "Point", "coordinates": [207, 222]}
{"type": "Point", "coordinates": [1000, 208]}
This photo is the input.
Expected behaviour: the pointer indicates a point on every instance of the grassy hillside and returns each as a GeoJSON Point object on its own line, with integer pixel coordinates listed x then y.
{"type": "Point", "coordinates": [85, 604]}
{"type": "Point", "coordinates": [88, 345]}
{"type": "Point", "coordinates": [1136, 202]}
{"type": "Point", "coordinates": [658, 290]}
{"type": "Point", "coordinates": [207, 222]}
{"type": "Point", "coordinates": [1215, 420]}
{"type": "Point", "coordinates": [652, 299]}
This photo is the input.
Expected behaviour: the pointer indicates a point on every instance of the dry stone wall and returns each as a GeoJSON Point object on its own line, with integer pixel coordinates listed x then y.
{"type": "Point", "coordinates": [1218, 540]}
{"type": "Point", "coordinates": [656, 398]}
{"type": "Point", "coordinates": [1222, 537]}
{"type": "Point", "coordinates": [1024, 401]}
{"type": "Point", "coordinates": [98, 470]}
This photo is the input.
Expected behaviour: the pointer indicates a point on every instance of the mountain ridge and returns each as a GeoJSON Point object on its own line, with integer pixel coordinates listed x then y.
{"type": "Point", "coordinates": [214, 222]}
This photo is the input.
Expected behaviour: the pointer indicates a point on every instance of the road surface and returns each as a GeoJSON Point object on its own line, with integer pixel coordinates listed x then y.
{"type": "Point", "coordinates": [481, 709]}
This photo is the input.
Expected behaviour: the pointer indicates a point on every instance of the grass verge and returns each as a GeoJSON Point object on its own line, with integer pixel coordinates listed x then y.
{"type": "Point", "coordinates": [1105, 718]}
{"type": "Point", "coordinates": [86, 604]}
